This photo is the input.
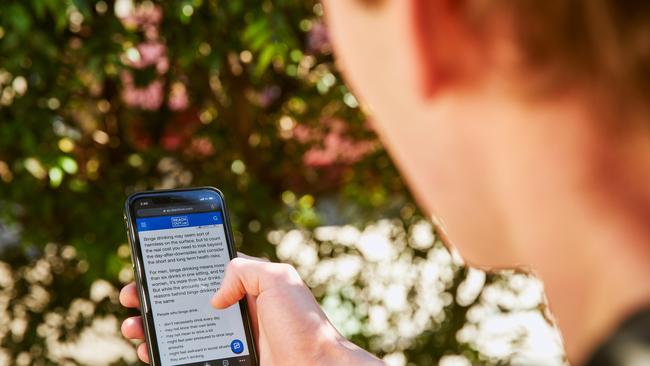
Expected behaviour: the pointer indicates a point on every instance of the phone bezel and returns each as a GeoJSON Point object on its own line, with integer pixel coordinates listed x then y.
{"type": "Point", "coordinates": [138, 268]}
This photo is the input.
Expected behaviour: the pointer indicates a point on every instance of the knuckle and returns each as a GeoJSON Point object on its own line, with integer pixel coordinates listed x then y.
{"type": "Point", "coordinates": [287, 268]}
{"type": "Point", "coordinates": [283, 272]}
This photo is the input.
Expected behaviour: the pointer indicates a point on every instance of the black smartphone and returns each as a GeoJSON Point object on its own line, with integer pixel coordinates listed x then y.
{"type": "Point", "coordinates": [181, 242]}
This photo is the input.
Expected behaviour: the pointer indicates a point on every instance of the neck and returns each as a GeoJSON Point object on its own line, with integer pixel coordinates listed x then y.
{"type": "Point", "coordinates": [562, 198]}
{"type": "Point", "coordinates": [590, 238]}
{"type": "Point", "coordinates": [593, 288]}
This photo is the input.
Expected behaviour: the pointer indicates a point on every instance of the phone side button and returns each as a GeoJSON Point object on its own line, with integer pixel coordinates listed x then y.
{"type": "Point", "coordinates": [128, 236]}
{"type": "Point", "coordinates": [139, 276]}
{"type": "Point", "coordinates": [144, 301]}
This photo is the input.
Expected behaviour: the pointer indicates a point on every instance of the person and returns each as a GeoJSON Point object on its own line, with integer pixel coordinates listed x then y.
{"type": "Point", "coordinates": [524, 126]}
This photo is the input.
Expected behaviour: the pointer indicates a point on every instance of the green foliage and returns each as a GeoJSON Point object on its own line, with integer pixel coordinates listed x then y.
{"type": "Point", "coordinates": [73, 144]}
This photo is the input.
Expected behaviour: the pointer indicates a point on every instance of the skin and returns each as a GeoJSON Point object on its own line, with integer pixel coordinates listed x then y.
{"type": "Point", "coordinates": [288, 324]}
{"type": "Point", "coordinates": [519, 181]}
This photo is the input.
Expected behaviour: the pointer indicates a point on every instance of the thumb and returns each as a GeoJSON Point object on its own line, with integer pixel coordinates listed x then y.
{"type": "Point", "coordinates": [248, 276]}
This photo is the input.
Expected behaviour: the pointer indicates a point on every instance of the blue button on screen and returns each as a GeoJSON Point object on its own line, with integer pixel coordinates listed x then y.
{"type": "Point", "coordinates": [237, 346]}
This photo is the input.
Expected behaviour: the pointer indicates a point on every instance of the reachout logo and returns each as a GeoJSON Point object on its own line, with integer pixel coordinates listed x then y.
{"type": "Point", "coordinates": [180, 221]}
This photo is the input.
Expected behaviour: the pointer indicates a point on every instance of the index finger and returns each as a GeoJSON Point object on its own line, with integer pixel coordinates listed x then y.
{"type": "Point", "coordinates": [129, 296]}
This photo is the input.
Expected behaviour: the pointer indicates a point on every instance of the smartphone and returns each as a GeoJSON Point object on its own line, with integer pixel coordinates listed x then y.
{"type": "Point", "coordinates": [181, 243]}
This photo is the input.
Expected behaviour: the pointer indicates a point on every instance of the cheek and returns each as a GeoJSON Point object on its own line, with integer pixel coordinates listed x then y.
{"type": "Point", "coordinates": [435, 150]}
{"type": "Point", "coordinates": [371, 52]}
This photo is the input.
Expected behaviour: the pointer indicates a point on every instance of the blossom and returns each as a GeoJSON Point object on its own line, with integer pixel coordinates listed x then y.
{"type": "Point", "coordinates": [336, 146]}
{"type": "Point", "coordinates": [318, 39]}
{"type": "Point", "coordinates": [202, 146]}
{"type": "Point", "coordinates": [141, 17]}
{"type": "Point", "coordinates": [178, 99]}
{"type": "Point", "coordinates": [150, 53]}
{"type": "Point", "coordinates": [149, 97]}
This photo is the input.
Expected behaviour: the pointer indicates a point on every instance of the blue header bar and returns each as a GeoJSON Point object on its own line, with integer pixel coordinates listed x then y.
{"type": "Point", "coordinates": [178, 221]}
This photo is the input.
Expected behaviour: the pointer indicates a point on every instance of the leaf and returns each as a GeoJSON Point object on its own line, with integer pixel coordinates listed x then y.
{"type": "Point", "coordinates": [254, 29]}
{"type": "Point", "coordinates": [258, 42]}
{"type": "Point", "coordinates": [265, 59]}
{"type": "Point", "coordinates": [257, 34]}
{"type": "Point", "coordinates": [58, 10]}
{"type": "Point", "coordinates": [83, 6]}
{"type": "Point", "coordinates": [19, 18]}
{"type": "Point", "coordinates": [39, 8]}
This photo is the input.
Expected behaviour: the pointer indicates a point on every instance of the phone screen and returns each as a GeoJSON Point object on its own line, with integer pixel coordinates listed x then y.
{"type": "Point", "coordinates": [184, 251]}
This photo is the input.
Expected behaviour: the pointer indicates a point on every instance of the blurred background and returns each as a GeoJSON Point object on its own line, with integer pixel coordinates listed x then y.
{"type": "Point", "coordinates": [99, 99]}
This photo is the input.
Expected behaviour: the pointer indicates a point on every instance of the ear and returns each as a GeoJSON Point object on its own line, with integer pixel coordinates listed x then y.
{"type": "Point", "coordinates": [441, 44]}
{"type": "Point", "coordinates": [423, 35]}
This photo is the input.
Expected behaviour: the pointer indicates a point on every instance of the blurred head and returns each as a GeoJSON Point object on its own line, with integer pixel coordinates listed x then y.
{"type": "Point", "coordinates": [492, 109]}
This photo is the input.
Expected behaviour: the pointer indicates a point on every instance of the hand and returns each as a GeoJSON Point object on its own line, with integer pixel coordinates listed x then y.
{"type": "Point", "coordinates": [290, 327]}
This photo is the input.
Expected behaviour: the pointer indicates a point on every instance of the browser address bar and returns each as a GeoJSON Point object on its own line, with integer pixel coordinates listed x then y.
{"type": "Point", "coordinates": [158, 211]}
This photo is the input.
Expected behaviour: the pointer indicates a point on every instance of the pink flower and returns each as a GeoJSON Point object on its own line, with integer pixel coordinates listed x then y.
{"type": "Point", "coordinates": [146, 17]}
{"type": "Point", "coordinates": [319, 157]}
{"type": "Point", "coordinates": [336, 147]}
{"type": "Point", "coordinates": [303, 134]}
{"type": "Point", "coordinates": [202, 146]}
{"type": "Point", "coordinates": [149, 97]}
{"type": "Point", "coordinates": [269, 95]}
{"type": "Point", "coordinates": [171, 142]}
{"type": "Point", "coordinates": [150, 53]}
{"type": "Point", "coordinates": [178, 99]}
{"type": "Point", "coordinates": [318, 39]}
{"type": "Point", "coordinates": [143, 16]}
